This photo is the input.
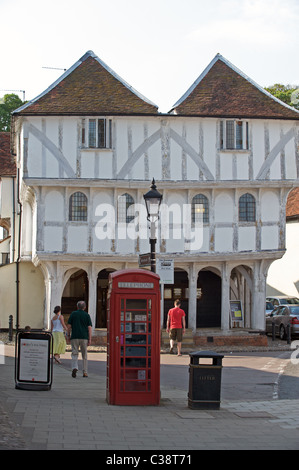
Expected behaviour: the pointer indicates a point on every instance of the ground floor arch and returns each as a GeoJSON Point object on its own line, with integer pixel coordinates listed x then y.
{"type": "Point", "coordinates": [205, 287]}
{"type": "Point", "coordinates": [102, 293]}
{"type": "Point", "coordinates": [76, 288]}
{"type": "Point", "coordinates": [208, 299]}
{"type": "Point", "coordinates": [177, 290]}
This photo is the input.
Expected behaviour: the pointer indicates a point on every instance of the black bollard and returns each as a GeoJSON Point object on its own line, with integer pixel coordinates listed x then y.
{"type": "Point", "coordinates": [273, 331]}
{"type": "Point", "coordinates": [289, 333]}
{"type": "Point", "coordinates": [10, 320]}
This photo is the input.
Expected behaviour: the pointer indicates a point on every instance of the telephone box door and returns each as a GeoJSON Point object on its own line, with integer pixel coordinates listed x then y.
{"type": "Point", "coordinates": [134, 345]}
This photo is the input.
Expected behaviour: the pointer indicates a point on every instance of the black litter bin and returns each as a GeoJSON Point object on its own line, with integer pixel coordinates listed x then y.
{"type": "Point", "coordinates": [205, 381]}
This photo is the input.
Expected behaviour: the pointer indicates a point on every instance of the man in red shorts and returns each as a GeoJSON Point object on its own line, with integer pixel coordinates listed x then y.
{"type": "Point", "coordinates": [176, 326]}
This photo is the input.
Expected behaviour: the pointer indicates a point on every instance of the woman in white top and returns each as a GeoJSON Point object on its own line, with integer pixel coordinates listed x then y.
{"type": "Point", "coordinates": [58, 327]}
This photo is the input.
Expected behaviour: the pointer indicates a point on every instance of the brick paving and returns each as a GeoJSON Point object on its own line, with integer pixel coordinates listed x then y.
{"type": "Point", "coordinates": [74, 414]}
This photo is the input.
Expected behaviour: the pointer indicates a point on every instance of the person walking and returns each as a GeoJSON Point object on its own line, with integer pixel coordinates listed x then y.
{"type": "Point", "coordinates": [58, 328]}
{"type": "Point", "coordinates": [80, 325]}
{"type": "Point", "coordinates": [176, 326]}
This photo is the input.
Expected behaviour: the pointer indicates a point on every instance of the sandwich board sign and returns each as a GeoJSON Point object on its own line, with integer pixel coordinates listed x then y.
{"type": "Point", "coordinates": [33, 363]}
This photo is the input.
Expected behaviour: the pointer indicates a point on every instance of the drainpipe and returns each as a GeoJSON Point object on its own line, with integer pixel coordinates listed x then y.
{"type": "Point", "coordinates": [13, 219]}
{"type": "Point", "coordinates": [19, 256]}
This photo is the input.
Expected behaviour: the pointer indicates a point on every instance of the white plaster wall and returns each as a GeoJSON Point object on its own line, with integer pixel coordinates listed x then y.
{"type": "Point", "coordinates": [224, 207]}
{"type": "Point", "coordinates": [77, 238]}
{"type": "Point", "coordinates": [129, 133]}
{"type": "Point", "coordinates": [269, 206]}
{"type": "Point", "coordinates": [223, 239]}
{"type": "Point", "coordinates": [54, 206]}
{"type": "Point", "coordinates": [258, 144]}
{"type": "Point", "coordinates": [6, 197]}
{"type": "Point", "coordinates": [247, 238]}
{"type": "Point", "coordinates": [269, 237]}
{"type": "Point", "coordinates": [53, 239]}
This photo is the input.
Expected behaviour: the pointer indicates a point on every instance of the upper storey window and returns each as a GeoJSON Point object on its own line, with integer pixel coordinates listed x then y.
{"type": "Point", "coordinates": [200, 209]}
{"type": "Point", "coordinates": [78, 207]}
{"type": "Point", "coordinates": [97, 133]}
{"type": "Point", "coordinates": [247, 208]}
{"type": "Point", "coordinates": [234, 135]}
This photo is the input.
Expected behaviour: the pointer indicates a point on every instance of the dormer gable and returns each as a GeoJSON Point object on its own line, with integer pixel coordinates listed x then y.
{"type": "Point", "coordinates": [224, 91]}
{"type": "Point", "coordinates": [89, 87]}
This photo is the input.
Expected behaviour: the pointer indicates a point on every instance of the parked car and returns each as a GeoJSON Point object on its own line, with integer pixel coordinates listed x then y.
{"type": "Point", "coordinates": [282, 300]}
{"type": "Point", "coordinates": [282, 316]}
{"type": "Point", "coordinates": [269, 308]}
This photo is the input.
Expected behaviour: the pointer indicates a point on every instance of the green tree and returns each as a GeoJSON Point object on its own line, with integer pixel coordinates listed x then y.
{"type": "Point", "coordinates": [8, 104]}
{"type": "Point", "coordinates": [289, 94]}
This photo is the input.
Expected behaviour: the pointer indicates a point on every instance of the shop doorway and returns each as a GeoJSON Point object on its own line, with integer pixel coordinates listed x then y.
{"type": "Point", "coordinates": [178, 290]}
{"type": "Point", "coordinates": [76, 289]}
{"type": "Point", "coordinates": [102, 292]}
{"type": "Point", "coordinates": [208, 300]}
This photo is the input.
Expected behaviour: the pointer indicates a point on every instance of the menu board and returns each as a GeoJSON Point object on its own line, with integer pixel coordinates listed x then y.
{"type": "Point", "coordinates": [33, 362]}
{"type": "Point", "coordinates": [33, 365]}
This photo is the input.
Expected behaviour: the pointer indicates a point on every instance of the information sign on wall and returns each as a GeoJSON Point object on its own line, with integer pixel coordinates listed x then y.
{"type": "Point", "coordinates": [236, 310]}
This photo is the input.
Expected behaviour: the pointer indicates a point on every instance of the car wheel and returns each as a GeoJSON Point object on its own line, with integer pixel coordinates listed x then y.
{"type": "Point", "coordinates": [282, 332]}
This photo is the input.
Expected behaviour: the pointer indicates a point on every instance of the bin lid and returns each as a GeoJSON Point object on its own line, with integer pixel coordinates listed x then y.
{"type": "Point", "coordinates": [206, 354]}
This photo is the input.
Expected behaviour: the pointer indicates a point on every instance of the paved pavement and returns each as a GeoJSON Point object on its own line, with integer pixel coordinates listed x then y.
{"type": "Point", "coordinates": [74, 415]}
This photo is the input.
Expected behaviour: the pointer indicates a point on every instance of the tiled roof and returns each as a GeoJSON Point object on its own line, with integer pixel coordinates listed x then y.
{"type": "Point", "coordinates": [89, 87]}
{"type": "Point", "coordinates": [292, 210]}
{"type": "Point", "coordinates": [7, 164]}
{"type": "Point", "coordinates": [224, 91]}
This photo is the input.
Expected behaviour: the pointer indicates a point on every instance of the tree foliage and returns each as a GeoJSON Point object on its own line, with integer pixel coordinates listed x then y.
{"type": "Point", "coordinates": [289, 94]}
{"type": "Point", "coordinates": [8, 104]}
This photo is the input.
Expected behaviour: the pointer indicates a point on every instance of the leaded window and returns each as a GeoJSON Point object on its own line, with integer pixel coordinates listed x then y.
{"type": "Point", "coordinates": [200, 209]}
{"type": "Point", "coordinates": [124, 203]}
{"type": "Point", "coordinates": [78, 207]}
{"type": "Point", "coordinates": [247, 208]}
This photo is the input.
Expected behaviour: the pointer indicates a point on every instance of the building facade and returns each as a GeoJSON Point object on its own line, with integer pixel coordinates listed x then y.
{"type": "Point", "coordinates": [225, 159]}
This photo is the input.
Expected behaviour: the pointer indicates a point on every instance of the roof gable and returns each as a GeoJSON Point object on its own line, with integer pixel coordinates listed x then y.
{"type": "Point", "coordinates": [7, 164]}
{"type": "Point", "coordinates": [224, 91]}
{"type": "Point", "coordinates": [89, 87]}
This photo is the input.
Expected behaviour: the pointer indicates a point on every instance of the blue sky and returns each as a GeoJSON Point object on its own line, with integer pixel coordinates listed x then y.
{"type": "Point", "coordinates": [159, 47]}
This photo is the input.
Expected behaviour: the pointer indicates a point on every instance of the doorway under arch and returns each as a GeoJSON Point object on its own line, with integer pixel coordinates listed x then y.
{"type": "Point", "coordinates": [76, 289]}
{"type": "Point", "coordinates": [102, 292]}
{"type": "Point", "coordinates": [177, 290]}
{"type": "Point", "coordinates": [208, 303]}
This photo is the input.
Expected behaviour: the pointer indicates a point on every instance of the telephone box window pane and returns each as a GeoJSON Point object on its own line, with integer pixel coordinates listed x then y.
{"type": "Point", "coordinates": [135, 304]}
{"type": "Point", "coordinates": [136, 316]}
{"type": "Point", "coordinates": [135, 386]}
{"type": "Point", "coordinates": [136, 351]}
{"type": "Point", "coordinates": [139, 327]}
{"type": "Point", "coordinates": [135, 339]}
{"type": "Point", "coordinates": [135, 362]}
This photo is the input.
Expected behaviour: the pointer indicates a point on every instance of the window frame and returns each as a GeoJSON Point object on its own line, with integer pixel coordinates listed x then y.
{"type": "Point", "coordinates": [206, 212]}
{"type": "Point", "coordinates": [74, 212]}
{"type": "Point", "coordinates": [122, 212]}
{"type": "Point", "coordinates": [248, 212]}
{"type": "Point", "coordinates": [100, 137]}
{"type": "Point", "coordinates": [230, 138]}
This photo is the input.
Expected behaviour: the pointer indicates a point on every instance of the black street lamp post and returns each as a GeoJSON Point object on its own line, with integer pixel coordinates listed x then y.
{"type": "Point", "coordinates": [152, 202]}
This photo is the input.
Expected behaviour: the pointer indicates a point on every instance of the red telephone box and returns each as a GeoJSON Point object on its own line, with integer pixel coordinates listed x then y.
{"type": "Point", "coordinates": [133, 336]}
